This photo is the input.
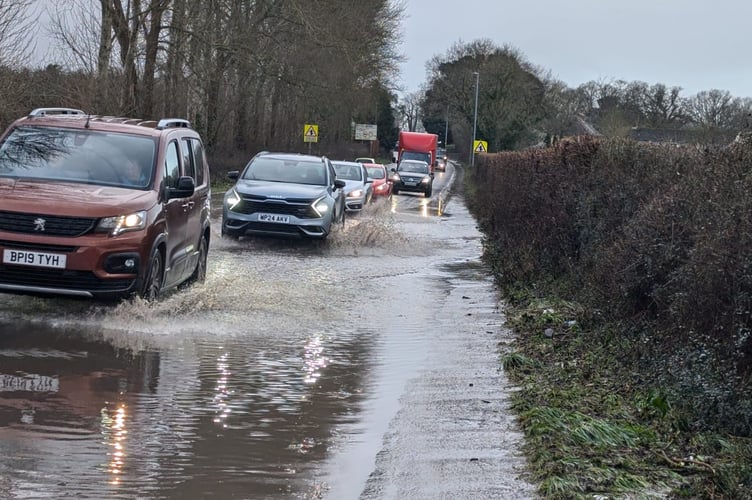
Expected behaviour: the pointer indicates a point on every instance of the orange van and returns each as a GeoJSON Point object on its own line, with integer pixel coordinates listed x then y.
{"type": "Point", "coordinates": [101, 207]}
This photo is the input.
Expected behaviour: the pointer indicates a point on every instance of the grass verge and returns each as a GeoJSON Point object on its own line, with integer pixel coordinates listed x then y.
{"type": "Point", "coordinates": [592, 428]}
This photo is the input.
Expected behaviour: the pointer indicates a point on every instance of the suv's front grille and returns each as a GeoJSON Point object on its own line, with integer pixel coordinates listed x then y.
{"type": "Point", "coordinates": [60, 278]}
{"type": "Point", "coordinates": [298, 208]}
{"type": "Point", "coordinates": [49, 225]}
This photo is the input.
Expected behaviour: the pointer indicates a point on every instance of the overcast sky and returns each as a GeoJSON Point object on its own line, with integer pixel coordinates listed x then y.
{"type": "Point", "coordinates": [693, 44]}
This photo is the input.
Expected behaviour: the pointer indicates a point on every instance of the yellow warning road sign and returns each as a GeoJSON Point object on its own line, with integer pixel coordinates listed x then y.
{"type": "Point", "coordinates": [480, 147]}
{"type": "Point", "coordinates": [310, 133]}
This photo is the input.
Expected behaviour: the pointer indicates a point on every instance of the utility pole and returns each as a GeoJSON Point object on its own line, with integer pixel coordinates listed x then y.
{"type": "Point", "coordinates": [475, 119]}
{"type": "Point", "coordinates": [446, 130]}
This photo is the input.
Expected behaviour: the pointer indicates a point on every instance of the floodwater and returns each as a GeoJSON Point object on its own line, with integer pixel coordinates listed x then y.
{"type": "Point", "coordinates": [365, 366]}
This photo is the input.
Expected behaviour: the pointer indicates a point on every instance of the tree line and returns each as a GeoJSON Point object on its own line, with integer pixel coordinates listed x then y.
{"type": "Point", "coordinates": [247, 73]}
{"type": "Point", "coordinates": [521, 105]}
{"type": "Point", "coordinates": [250, 73]}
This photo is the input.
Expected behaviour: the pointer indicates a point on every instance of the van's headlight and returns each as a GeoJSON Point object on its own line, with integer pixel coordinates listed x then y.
{"type": "Point", "coordinates": [119, 224]}
{"type": "Point", "coordinates": [320, 206]}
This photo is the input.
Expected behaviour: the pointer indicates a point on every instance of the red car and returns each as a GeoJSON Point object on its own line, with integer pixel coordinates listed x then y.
{"type": "Point", "coordinates": [382, 184]}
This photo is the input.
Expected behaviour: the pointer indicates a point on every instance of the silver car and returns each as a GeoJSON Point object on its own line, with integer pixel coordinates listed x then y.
{"type": "Point", "coordinates": [284, 194]}
{"type": "Point", "coordinates": [358, 187]}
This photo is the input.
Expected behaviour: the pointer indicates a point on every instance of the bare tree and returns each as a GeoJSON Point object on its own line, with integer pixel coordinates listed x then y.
{"type": "Point", "coordinates": [712, 108]}
{"type": "Point", "coordinates": [17, 29]}
{"type": "Point", "coordinates": [409, 110]}
{"type": "Point", "coordinates": [663, 106]}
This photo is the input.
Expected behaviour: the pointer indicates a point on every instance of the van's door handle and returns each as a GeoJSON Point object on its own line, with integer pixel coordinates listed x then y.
{"type": "Point", "coordinates": [188, 206]}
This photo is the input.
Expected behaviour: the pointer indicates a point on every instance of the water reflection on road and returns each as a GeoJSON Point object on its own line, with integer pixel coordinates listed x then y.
{"type": "Point", "coordinates": [241, 387]}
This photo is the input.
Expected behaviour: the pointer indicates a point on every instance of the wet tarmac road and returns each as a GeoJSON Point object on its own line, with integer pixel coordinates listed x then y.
{"type": "Point", "coordinates": [365, 366]}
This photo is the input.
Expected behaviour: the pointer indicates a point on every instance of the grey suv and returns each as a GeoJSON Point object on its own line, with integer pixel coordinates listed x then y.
{"type": "Point", "coordinates": [284, 194]}
{"type": "Point", "coordinates": [95, 206]}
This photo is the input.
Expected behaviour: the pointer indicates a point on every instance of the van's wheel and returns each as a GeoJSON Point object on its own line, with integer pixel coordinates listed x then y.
{"type": "Point", "coordinates": [199, 274]}
{"type": "Point", "coordinates": [153, 281]}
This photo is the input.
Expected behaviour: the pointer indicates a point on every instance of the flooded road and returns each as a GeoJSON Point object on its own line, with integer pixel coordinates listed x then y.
{"type": "Point", "coordinates": [365, 366]}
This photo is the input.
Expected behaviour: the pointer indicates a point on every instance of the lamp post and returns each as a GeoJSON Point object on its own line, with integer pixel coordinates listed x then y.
{"type": "Point", "coordinates": [475, 120]}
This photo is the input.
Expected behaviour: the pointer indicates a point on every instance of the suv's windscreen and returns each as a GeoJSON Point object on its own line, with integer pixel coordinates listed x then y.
{"type": "Point", "coordinates": [78, 156]}
{"type": "Point", "coordinates": [286, 170]}
{"type": "Point", "coordinates": [413, 166]}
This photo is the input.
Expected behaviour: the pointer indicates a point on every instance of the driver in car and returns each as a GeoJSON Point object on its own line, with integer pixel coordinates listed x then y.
{"type": "Point", "coordinates": [133, 174]}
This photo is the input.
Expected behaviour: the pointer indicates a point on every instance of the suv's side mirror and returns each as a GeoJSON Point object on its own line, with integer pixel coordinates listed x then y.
{"type": "Point", "coordinates": [339, 184]}
{"type": "Point", "coordinates": [233, 175]}
{"type": "Point", "coordinates": [186, 187]}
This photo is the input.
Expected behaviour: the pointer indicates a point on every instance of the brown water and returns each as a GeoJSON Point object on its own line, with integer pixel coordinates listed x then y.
{"type": "Point", "coordinates": [254, 384]}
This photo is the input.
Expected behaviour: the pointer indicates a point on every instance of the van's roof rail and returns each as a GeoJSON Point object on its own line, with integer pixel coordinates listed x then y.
{"type": "Point", "coordinates": [56, 111]}
{"type": "Point", "coordinates": [173, 123]}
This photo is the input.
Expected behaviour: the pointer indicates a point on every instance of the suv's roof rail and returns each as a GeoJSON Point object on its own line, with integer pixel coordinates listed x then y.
{"type": "Point", "coordinates": [173, 123]}
{"type": "Point", "coordinates": [55, 111]}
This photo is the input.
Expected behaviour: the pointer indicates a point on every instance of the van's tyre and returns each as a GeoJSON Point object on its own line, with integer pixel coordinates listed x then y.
{"type": "Point", "coordinates": [428, 193]}
{"type": "Point", "coordinates": [395, 191]}
{"type": "Point", "coordinates": [154, 276]}
{"type": "Point", "coordinates": [199, 274]}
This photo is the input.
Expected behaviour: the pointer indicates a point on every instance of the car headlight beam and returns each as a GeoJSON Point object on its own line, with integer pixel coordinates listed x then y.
{"type": "Point", "coordinates": [119, 224]}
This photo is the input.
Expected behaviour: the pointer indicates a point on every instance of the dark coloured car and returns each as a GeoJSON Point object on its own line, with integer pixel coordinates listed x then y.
{"type": "Point", "coordinates": [440, 165]}
{"type": "Point", "coordinates": [414, 176]}
{"type": "Point", "coordinates": [103, 207]}
{"type": "Point", "coordinates": [284, 194]}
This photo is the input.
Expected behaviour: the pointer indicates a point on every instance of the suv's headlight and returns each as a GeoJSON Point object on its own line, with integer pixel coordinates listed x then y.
{"type": "Point", "coordinates": [122, 223]}
{"type": "Point", "coordinates": [355, 194]}
{"type": "Point", "coordinates": [426, 180]}
{"type": "Point", "coordinates": [232, 199]}
{"type": "Point", "coordinates": [320, 206]}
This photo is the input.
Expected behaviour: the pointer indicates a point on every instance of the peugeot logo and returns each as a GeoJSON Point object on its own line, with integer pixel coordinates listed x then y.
{"type": "Point", "coordinates": [39, 224]}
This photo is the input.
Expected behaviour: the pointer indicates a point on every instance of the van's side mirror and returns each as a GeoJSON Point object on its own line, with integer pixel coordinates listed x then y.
{"type": "Point", "coordinates": [186, 187]}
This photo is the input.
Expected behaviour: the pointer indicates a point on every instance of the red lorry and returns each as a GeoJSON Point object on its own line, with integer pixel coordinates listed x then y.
{"type": "Point", "coordinates": [418, 146]}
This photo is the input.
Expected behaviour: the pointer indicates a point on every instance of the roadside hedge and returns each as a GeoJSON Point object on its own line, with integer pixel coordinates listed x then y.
{"type": "Point", "coordinates": [653, 241]}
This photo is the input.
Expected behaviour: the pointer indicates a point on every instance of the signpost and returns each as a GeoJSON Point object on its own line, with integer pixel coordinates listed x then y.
{"type": "Point", "coordinates": [368, 132]}
{"type": "Point", "coordinates": [310, 134]}
{"type": "Point", "coordinates": [365, 132]}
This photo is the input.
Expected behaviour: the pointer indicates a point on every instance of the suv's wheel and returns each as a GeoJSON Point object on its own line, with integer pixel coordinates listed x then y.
{"type": "Point", "coordinates": [153, 281]}
{"type": "Point", "coordinates": [227, 234]}
{"type": "Point", "coordinates": [428, 192]}
{"type": "Point", "coordinates": [199, 274]}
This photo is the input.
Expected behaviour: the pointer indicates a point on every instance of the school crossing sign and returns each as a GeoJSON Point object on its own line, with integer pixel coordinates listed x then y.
{"type": "Point", "coordinates": [480, 147]}
{"type": "Point", "coordinates": [310, 133]}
